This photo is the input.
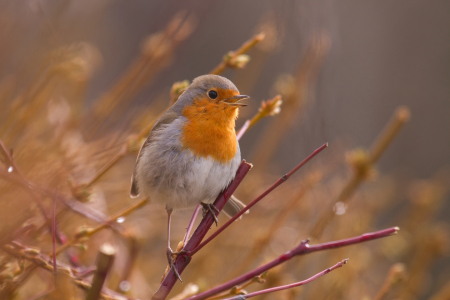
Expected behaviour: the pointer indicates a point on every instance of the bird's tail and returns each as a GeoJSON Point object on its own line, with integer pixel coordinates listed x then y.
{"type": "Point", "coordinates": [233, 206]}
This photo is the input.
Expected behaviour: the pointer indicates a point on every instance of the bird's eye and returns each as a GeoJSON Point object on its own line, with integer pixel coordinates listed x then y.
{"type": "Point", "coordinates": [212, 94]}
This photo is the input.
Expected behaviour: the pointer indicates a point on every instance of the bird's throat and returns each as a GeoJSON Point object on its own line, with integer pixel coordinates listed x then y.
{"type": "Point", "coordinates": [209, 130]}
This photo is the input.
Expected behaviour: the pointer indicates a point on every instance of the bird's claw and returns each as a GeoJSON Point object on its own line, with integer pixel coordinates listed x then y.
{"type": "Point", "coordinates": [170, 253]}
{"type": "Point", "coordinates": [210, 208]}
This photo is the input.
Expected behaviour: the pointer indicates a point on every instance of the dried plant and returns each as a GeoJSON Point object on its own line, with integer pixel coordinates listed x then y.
{"type": "Point", "coordinates": [68, 229]}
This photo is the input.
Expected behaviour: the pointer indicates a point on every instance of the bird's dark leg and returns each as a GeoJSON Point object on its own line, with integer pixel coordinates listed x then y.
{"type": "Point", "coordinates": [169, 251]}
{"type": "Point", "coordinates": [210, 208]}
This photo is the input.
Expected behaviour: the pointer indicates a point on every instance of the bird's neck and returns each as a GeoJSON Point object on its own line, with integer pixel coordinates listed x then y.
{"type": "Point", "coordinates": [209, 130]}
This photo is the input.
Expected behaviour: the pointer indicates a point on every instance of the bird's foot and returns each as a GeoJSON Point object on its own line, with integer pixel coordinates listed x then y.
{"type": "Point", "coordinates": [170, 259]}
{"type": "Point", "coordinates": [210, 208]}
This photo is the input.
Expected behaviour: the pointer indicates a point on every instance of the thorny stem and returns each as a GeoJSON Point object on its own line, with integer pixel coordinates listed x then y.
{"type": "Point", "coordinates": [244, 48]}
{"type": "Point", "coordinates": [90, 232]}
{"type": "Point", "coordinates": [303, 248]}
{"type": "Point", "coordinates": [288, 286]}
{"type": "Point", "coordinates": [401, 116]}
{"type": "Point", "coordinates": [183, 260]}
{"type": "Point", "coordinates": [283, 179]}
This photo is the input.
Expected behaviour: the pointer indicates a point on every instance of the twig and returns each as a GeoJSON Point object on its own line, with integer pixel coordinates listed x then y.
{"type": "Point", "coordinates": [280, 181]}
{"type": "Point", "coordinates": [230, 59]}
{"type": "Point", "coordinates": [243, 130]}
{"type": "Point", "coordinates": [191, 224]}
{"type": "Point", "coordinates": [183, 260]}
{"type": "Point", "coordinates": [8, 155]}
{"type": "Point", "coordinates": [282, 216]}
{"type": "Point", "coordinates": [303, 248]}
{"type": "Point", "coordinates": [396, 272]}
{"type": "Point", "coordinates": [42, 294]}
{"type": "Point", "coordinates": [89, 232]}
{"type": "Point", "coordinates": [238, 290]}
{"type": "Point", "coordinates": [363, 164]}
{"type": "Point", "coordinates": [41, 260]}
{"type": "Point", "coordinates": [15, 234]}
{"type": "Point", "coordinates": [288, 286]}
{"type": "Point", "coordinates": [268, 108]}
{"type": "Point", "coordinates": [105, 260]}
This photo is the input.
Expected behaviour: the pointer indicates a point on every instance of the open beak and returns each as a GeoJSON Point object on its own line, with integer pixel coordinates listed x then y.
{"type": "Point", "coordinates": [233, 101]}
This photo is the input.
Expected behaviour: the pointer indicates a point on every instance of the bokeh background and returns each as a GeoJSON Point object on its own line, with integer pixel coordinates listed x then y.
{"type": "Point", "coordinates": [77, 78]}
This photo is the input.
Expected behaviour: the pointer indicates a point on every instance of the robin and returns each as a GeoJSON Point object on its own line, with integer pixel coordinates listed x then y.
{"type": "Point", "coordinates": [192, 153]}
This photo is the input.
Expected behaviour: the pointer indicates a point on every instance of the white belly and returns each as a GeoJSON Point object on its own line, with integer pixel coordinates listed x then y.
{"type": "Point", "coordinates": [177, 179]}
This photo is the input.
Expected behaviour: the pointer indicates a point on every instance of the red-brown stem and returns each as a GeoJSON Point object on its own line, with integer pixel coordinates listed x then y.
{"type": "Point", "coordinates": [243, 130]}
{"type": "Point", "coordinates": [303, 248]}
{"type": "Point", "coordinates": [191, 224]}
{"type": "Point", "coordinates": [182, 260]}
{"type": "Point", "coordinates": [289, 286]}
{"type": "Point", "coordinates": [283, 179]}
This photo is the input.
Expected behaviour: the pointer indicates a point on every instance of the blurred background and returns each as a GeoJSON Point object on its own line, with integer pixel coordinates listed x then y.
{"type": "Point", "coordinates": [82, 81]}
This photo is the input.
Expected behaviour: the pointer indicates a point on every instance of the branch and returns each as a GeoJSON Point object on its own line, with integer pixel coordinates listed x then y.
{"type": "Point", "coordinates": [105, 260]}
{"type": "Point", "coordinates": [289, 206]}
{"type": "Point", "coordinates": [268, 108]}
{"type": "Point", "coordinates": [14, 168]}
{"type": "Point", "coordinates": [288, 286]}
{"type": "Point", "coordinates": [89, 232]}
{"type": "Point", "coordinates": [15, 234]}
{"type": "Point", "coordinates": [232, 58]}
{"type": "Point", "coordinates": [283, 179]}
{"type": "Point", "coordinates": [43, 261]}
{"type": "Point", "coordinates": [183, 260]}
{"type": "Point", "coordinates": [303, 248]}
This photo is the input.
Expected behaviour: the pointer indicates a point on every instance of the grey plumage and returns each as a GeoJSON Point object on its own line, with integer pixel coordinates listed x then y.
{"type": "Point", "coordinates": [173, 176]}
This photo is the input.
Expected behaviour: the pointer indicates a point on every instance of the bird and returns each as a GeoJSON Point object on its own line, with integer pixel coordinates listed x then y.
{"type": "Point", "coordinates": [191, 153]}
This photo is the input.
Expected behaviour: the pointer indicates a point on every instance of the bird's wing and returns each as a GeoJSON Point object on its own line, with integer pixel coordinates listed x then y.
{"type": "Point", "coordinates": [167, 118]}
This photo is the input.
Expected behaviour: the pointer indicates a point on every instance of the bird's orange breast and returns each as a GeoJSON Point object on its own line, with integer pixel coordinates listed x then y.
{"type": "Point", "coordinates": [209, 130]}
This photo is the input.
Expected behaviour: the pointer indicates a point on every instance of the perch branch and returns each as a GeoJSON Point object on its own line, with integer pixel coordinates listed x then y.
{"type": "Point", "coordinates": [183, 260]}
{"type": "Point", "coordinates": [303, 248]}
{"type": "Point", "coordinates": [289, 286]}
